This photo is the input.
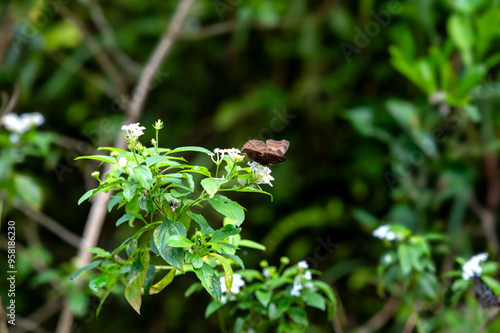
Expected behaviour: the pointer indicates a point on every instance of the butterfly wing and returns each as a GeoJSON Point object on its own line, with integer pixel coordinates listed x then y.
{"type": "Point", "coordinates": [275, 151]}
{"type": "Point", "coordinates": [484, 294]}
{"type": "Point", "coordinates": [255, 151]}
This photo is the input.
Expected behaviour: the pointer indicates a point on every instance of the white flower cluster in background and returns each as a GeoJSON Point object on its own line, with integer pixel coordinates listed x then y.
{"type": "Point", "coordinates": [238, 282]}
{"type": "Point", "coordinates": [298, 281]}
{"type": "Point", "coordinates": [384, 232]}
{"type": "Point", "coordinates": [19, 124]}
{"type": "Point", "coordinates": [471, 267]}
{"type": "Point", "coordinates": [261, 174]}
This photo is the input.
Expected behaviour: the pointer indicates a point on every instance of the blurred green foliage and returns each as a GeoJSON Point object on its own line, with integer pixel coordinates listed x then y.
{"type": "Point", "coordinates": [402, 130]}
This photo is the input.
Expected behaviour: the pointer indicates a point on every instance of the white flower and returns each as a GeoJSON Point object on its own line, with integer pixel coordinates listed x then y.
{"type": "Point", "coordinates": [122, 161]}
{"type": "Point", "coordinates": [233, 153]}
{"type": "Point", "coordinates": [20, 124]}
{"type": "Point", "coordinates": [133, 130]}
{"type": "Point", "coordinates": [471, 267]}
{"type": "Point", "coordinates": [238, 282]}
{"type": "Point", "coordinates": [261, 174]}
{"type": "Point", "coordinates": [308, 275]}
{"type": "Point", "coordinates": [297, 287]}
{"type": "Point", "coordinates": [383, 232]}
{"type": "Point", "coordinates": [265, 273]}
{"type": "Point", "coordinates": [387, 259]}
{"type": "Point", "coordinates": [303, 264]}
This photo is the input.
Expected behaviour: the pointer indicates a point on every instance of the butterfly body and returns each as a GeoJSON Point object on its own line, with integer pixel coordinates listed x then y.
{"type": "Point", "coordinates": [268, 153]}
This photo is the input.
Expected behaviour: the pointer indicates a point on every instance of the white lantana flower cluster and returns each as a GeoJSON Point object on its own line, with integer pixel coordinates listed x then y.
{"type": "Point", "coordinates": [234, 153]}
{"type": "Point", "coordinates": [471, 267]}
{"type": "Point", "coordinates": [19, 124]}
{"type": "Point", "coordinates": [298, 280]}
{"type": "Point", "coordinates": [238, 282]}
{"type": "Point", "coordinates": [133, 130]}
{"type": "Point", "coordinates": [384, 232]}
{"type": "Point", "coordinates": [261, 174]}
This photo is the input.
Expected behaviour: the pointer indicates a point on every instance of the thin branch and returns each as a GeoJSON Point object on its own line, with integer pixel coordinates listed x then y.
{"type": "Point", "coordinates": [98, 210]}
{"type": "Point", "coordinates": [43, 313]}
{"type": "Point", "coordinates": [110, 43]}
{"type": "Point", "coordinates": [381, 317]}
{"type": "Point", "coordinates": [12, 101]}
{"type": "Point", "coordinates": [101, 57]}
{"type": "Point", "coordinates": [169, 37]}
{"type": "Point", "coordinates": [52, 225]}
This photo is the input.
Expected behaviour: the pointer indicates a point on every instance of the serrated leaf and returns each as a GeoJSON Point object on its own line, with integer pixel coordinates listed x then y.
{"type": "Point", "coordinates": [118, 197]}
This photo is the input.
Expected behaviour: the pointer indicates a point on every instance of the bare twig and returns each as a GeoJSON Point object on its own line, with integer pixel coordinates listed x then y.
{"type": "Point", "coordinates": [100, 21]}
{"type": "Point", "coordinates": [12, 101]}
{"type": "Point", "coordinates": [98, 210]}
{"type": "Point", "coordinates": [381, 317]}
{"type": "Point", "coordinates": [101, 57]}
{"type": "Point", "coordinates": [49, 309]}
{"type": "Point", "coordinates": [52, 225]}
{"type": "Point", "coordinates": [154, 63]}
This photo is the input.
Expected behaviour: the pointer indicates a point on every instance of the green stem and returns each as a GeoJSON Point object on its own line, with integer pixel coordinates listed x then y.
{"type": "Point", "coordinates": [222, 325]}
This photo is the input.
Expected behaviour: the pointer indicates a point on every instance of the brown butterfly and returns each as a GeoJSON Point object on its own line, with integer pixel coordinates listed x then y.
{"type": "Point", "coordinates": [484, 294]}
{"type": "Point", "coordinates": [268, 153]}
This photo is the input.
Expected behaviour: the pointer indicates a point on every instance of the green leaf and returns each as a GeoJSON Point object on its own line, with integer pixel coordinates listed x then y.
{"type": "Point", "coordinates": [299, 316]}
{"type": "Point", "coordinates": [313, 299]}
{"type": "Point", "coordinates": [251, 244]}
{"type": "Point", "coordinates": [460, 31]}
{"type": "Point", "coordinates": [102, 158]}
{"type": "Point", "coordinates": [87, 195]}
{"type": "Point", "coordinates": [150, 276]}
{"type": "Point", "coordinates": [327, 289]}
{"type": "Point", "coordinates": [194, 259]}
{"type": "Point", "coordinates": [90, 266]}
{"type": "Point", "coordinates": [118, 197]}
{"type": "Point", "coordinates": [212, 185]}
{"type": "Point", "coordinates": [405, 256]}
{"type": "Point", "coordinates": [126, 217]}
{"type": "Point", "coordinates": [235, 258]}
{"type": "Point", "coordinates": [167, 279]}
{"type": "Point", "coordinates": [143, 175]}
{"type": "Point", "coordinates": [229, 208]}
{"type": "Point", "coordinates": [276, 312]}
{"type": "Point", "coordinates": [211, 308]}
{"type": "Point", "coordinates": [264, 297]}
{"type": "Point", "coordinates": [228, 270]}
{"type": "Point", "coordinates": [172, 255]}
{"type": "Point", "coordinates": [28, 191]}
{"type": "Point", "coordinates": [136, 280]}
{"type": "Point", "coordinates": [209, 281]}
{"type": "Point", "coordinates": [200, 219]}
{"type": "Point", "coordinates": [98, 282]}
{"type": "Point", "coordinates": [179, 241]}
{"type": "Point", "coordinates": [189, 148]}
{"type": "Point", "coordinates": [225, 232]}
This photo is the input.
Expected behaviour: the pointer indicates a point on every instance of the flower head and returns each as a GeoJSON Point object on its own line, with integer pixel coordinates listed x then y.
{"type": "Point", "coordinates": [22, 123]}
{"type": "Point", "coordinates": [133, 130]}
{"type": "Point", "coordinates": [384, 232]}
{"type": "Point", "coordinates": [261, 174]}
{"type": "Point", "coordinates": [122, 161]}
{"type": "Point", "coordinates": [471, 267]}
{"type": "Point", "coordinates": [303, 264]}
{"type": "Point", "coordinates": [232, 152]}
